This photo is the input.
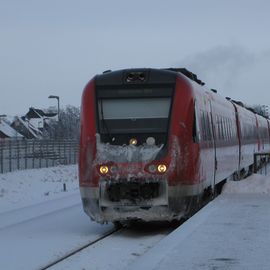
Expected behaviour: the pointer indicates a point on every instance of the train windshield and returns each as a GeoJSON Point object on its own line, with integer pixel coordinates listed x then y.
{"type": "Point", "coordinates": [121, 119]}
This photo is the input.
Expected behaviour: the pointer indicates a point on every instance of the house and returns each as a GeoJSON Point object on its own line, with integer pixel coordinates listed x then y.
{"type": "Point", "coordinates": [6, 131]}
{"type": "Point", "coordinates": [39, 118]}
{"type": "Point", "coordinates": [34, 125]}
{"type": "Point", "coordinates": [24, 127]}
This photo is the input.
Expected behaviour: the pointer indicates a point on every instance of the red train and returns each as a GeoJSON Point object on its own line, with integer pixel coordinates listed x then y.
{"type": "Point", "coordinates": [155, 143]}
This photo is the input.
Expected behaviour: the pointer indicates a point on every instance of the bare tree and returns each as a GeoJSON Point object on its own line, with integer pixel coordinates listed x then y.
{"type": "Point", "coordinates": [68, 126]}
{"type": "Point", "coordinates": [261, 110]}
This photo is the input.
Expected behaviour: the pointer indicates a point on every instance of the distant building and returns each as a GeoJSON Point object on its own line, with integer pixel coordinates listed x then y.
{"type": "Point", "coordinates": [6, 131]}
{"type": "Point", "coordinates": [39, 118]}
{"type": "Point", "coordinates": [25, 128]}
{"type": "Point", "coordinates": [34, 125]}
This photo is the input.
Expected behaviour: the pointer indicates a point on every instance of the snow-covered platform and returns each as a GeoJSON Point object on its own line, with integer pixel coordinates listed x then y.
{"type": "Point", "coordinates": [231, 232]}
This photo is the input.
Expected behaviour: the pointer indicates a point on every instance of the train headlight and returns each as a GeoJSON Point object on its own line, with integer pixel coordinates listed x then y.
{"type": "Point", "coordinates": [152, 168]}
{"type": "Point", "coordinates": [103, 169]}
{"type": "Point", "coordinates": [133, 141]}
{"type": "Point", "coordinates": [162, 168]}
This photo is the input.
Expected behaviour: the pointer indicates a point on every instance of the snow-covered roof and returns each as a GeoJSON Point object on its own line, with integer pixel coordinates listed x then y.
{"type": "Point", "coordinates": [38, 113]}
{"type": "Point", "coordinates": [8, 130]}
{"type": "Point", "coordinates": [29, 127]}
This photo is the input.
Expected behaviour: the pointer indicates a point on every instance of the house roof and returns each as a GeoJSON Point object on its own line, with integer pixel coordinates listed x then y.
{"type": "Point", "coordinates": [7, 130]}
{"type": "Point", "coordinates": [33, 130]}
{"type": "Point", "coordinates": [38, 113]}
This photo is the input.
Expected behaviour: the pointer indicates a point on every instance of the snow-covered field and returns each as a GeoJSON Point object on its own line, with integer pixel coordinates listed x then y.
{"type": "Point", "coordinates": [29, 187]}
{"type": "Point", "coordinates": [39, 222]}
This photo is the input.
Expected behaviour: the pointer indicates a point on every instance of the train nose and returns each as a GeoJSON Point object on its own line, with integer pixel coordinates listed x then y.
{"type": "Point", "coordinates": [133, 191]}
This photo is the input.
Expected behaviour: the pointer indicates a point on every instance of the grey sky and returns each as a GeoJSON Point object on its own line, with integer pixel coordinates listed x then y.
{"type": "Point", "coordinates": [56, 46]}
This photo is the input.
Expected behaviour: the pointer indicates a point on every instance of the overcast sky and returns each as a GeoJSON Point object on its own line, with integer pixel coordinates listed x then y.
{"type": "Point", "coordinates": [54, 47]}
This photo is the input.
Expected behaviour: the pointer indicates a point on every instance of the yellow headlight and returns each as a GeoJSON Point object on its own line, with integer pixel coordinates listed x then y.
{"type": "Point", "coordinates": [162, 168]}
{"type": "Point", "coordinates": [103, 169]}
{"type": "Point", "coordinates": [133, 141]}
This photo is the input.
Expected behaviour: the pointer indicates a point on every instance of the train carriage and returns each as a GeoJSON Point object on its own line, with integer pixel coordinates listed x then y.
{"type": "Point", "coordinates": [155, 143]}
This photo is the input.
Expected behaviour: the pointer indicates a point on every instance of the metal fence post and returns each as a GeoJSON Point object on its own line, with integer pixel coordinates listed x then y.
{"type": "Point", "coordinates": [47, 153]}
{"type": "Point", "coordinates": [14, 154]}
{"type": "Point", "coordinates": [33, 154]}
{"type": "Point", "coordinates": [65, 160]}
{"type": "Point", "coordinates": [18, 154]}
{"type": "Point", "coordinates": [25, 154]}
{"type": "Point", "coordinates": [2, 156]}
{"type": "Point", "coordinates": [10, 154]}
{"type": "Point", "coordinates": [39, 152]}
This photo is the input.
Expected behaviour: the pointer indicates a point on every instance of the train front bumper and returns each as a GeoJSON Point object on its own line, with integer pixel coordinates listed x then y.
{"type": "Point", "coordinates": [105, 204]}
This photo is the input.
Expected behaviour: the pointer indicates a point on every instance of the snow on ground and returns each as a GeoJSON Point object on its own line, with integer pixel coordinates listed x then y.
{"type": "Point", "coordinates": [39, 222]}
{"type": "Point", "coordinates": [27, 187]}
{"type": "Point", "coordinates": [118, 251]}
{"type": "Point", "coordinates": [256, 183]}
{"type": "Point", "coordinates": [231, 232]}
{"type": "Point", "coordinates": [32, 243]}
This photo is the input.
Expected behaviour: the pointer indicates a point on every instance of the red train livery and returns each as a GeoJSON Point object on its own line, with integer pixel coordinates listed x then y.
{"type": "Point", "coordinates": [155, 143]}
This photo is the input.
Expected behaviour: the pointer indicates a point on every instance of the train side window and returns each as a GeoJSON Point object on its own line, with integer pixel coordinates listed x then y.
{"type": "Point", "coordinates": [195, 135]}
{"type": "Point", "coordinates": [203, 125]}
{"type": "Point", "coordinates": [224, 128]}
{"type": "Point", "coordinates": [230, 128]}
{"type": "Point", "coordinates": [209, 126]}
{"type": "Point", "coordinates": [218, 127]}
{"type": "Point", "coordinates": [227, 129]}
{"type": "Point", "coordinates": [221, 128]}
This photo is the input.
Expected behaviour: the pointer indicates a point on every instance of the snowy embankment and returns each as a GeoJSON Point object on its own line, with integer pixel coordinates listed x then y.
{"type": "Point", "coordinates": [29, 187]}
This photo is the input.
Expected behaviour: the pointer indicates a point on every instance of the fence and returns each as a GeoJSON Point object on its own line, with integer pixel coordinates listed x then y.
{"type": "Point", "coordinates": [31, 154]}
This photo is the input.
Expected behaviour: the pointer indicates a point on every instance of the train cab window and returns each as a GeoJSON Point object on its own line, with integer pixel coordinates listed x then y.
{"type": "Point", "coordinates": [120, 118]}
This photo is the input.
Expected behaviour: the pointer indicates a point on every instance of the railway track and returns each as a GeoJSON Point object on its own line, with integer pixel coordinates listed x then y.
{"type": "Point", "coordinates": [77, 250]}
{"type": "Point", "coordinates": [116, 249]}
{"type": "Point", "coordinates": [61, 262]}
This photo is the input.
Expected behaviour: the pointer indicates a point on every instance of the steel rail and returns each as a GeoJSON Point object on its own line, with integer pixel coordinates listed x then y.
{"type": "Point", "coordinates": [77, 250]}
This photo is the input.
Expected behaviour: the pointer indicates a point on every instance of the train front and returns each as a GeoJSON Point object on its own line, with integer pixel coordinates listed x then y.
{"type": "Point", "coordinates": [128, 152]}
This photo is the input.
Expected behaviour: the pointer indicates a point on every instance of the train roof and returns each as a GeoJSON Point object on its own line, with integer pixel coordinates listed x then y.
{"type": "Point", "coordinates": [187, 73]}
{"type": "Point", "coordinates": [157, 75]}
